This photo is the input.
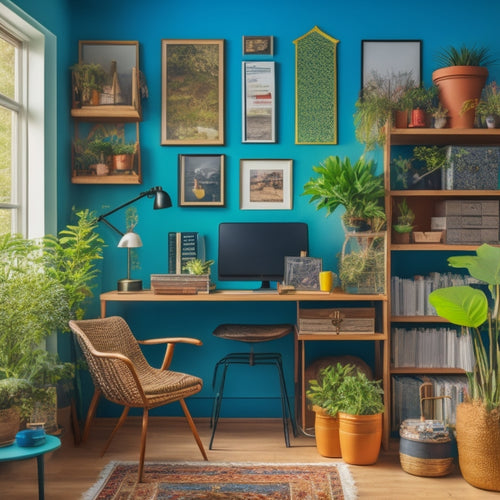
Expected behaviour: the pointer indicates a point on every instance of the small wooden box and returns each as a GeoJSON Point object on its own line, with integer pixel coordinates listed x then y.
{"type": "Point", "coordinates": [350, 320]}
{"type": "Point", "coordinates": [427, 237]}
{"type": "Point", "coordinates": [180, 284]}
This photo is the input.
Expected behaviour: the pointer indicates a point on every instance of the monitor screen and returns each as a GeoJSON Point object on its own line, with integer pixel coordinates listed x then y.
{"type": "Point", "coordinates": [256, 251]}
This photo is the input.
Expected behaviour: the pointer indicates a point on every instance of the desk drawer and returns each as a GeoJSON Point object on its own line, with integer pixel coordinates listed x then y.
{"type": "Point", "coordinates": [341, 320]}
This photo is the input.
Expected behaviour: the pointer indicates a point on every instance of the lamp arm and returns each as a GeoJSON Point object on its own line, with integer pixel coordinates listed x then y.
{"type": "Point", "coordinates": [102, 219]}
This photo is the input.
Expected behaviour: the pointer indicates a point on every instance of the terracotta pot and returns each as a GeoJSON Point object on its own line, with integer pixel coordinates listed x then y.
{"type": "Point", "coordinates": [458, 84]}
{"type": "Point", "coordinates": [401, 238]}
{"type": "Point", "coordinates": [94, 98]}
{"type": "Point", "coordinates": [122, 162]}
{"type": "Point", "coordinates": [401, 119]}
{"type": "Point", "coordinates": [326, 429]}
{"type": "Point", "coordinates": [360, 438]}
{"type": "Point", "coordinates": [478, 440]}
{"type": "Point", "coordinates": [418, 118]}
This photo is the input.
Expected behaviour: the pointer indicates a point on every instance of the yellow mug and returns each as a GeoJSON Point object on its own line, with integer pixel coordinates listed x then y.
{"type": "Point", "coordinates": [325, 281]}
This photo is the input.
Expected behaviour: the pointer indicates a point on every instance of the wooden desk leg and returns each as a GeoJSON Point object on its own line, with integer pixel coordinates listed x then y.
{"type": "Point", "coordinates": [41, 472]}
{"type": "Point", "coordinates": [103, 308]}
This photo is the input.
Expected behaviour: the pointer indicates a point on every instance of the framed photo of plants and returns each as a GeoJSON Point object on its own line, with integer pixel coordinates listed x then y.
{"type": "Point", "coordinates": [258, 102]}
{"type": "Point", "coordinates": [266, 184]}
{"type": "Point", "coordinates": [201, 180]}
{"type": "Point", "coordinates": [192, 92]}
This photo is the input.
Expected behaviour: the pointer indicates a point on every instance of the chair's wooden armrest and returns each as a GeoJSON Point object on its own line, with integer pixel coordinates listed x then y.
{"type": "Point", "coordinates": [171, 340]}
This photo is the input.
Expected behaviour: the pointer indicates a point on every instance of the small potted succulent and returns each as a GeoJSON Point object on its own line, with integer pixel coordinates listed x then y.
{"type": "Point", "coordinates": [404, 225]}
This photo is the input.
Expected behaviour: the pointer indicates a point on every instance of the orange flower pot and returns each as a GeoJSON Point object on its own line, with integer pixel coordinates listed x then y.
{"type": "Point", "coordinates": [326, 429]}
{"type": "Point", "coordinates": [458, 84]}
{"type": "Point", "coordinates": [360, 438]}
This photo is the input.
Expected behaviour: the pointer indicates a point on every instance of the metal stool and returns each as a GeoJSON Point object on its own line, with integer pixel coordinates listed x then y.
{"type": "Point", "coordinates": [252, 334]}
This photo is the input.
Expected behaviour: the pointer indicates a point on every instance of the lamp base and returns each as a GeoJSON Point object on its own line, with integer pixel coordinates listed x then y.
{"type": "Point", "coordinates": [127, 285]}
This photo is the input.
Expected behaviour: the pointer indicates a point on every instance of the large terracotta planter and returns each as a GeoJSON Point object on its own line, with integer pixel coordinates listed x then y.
{"type": "Point", "coordinates": [478, 441]}
{"type": "Point", "coordinates": [360, 438]}
{"type": "Point", "coordinates": [326, 430]}
{"type": "Point", "coordinates": [458, 84]}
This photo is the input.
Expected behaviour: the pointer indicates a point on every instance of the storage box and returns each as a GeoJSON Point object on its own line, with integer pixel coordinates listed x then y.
{"type": "Point", "coordinates": [478, 208]}
{"type": "Point", "coordinates": [471, 167]}
{"type": "Point", "coordinates": [180, 284]}
{"type": "Point", "coordinates": [471, 236]}
{"type": "Point", "coordinates": [337, 320]}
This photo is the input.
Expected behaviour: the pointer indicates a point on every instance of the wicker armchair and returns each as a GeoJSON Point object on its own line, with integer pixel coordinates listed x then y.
{"type": "Point", "coordinates": [122, 375]}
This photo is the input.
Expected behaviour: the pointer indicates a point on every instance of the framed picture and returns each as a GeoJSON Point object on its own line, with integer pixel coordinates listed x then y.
{"type": "Point", "coordinates": [258, 102]}
{"type": "Point", "coordinates": [391, 59]}
{"type": "Point", "coordinates": [303, 272]}
{"type": "Point", "coordinates": [114, 64]}
{"type": "Point", "coordinates": [192, 92]}
{"type": "Point", "coordinates": [266, 184]}
{"type": "Point", "coordinates": [201, 180]}
{"type": "Point", "coordinates": [258, 45]}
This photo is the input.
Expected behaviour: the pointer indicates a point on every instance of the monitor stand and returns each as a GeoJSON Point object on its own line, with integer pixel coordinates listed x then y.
{"type": "Point", "coordinates": [265, 287]}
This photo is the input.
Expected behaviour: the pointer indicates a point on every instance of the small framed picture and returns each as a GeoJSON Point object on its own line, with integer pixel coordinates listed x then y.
{"type": "Point", "coordinates": [201, 180]}
{"type": "Point", "coordinates": [266, 184]}
{"type": "Point", "coordinates": [303, 272]}
{"type": "Point", "coordinates": [258, 45]}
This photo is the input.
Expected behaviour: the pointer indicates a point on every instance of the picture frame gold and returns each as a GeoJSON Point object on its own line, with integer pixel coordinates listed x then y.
{"type": "Point", "coordinates": [258, 45]}
{"type": "Point", "coordinates": [183, 120]}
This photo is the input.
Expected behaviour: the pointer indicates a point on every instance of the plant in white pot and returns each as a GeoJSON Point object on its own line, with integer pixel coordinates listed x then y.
{"type": "Point", "coordinates": [478, 418]}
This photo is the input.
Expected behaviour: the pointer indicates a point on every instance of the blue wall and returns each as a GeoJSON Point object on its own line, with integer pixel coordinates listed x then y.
{"type": "Point", "coordinates": [438, 24]}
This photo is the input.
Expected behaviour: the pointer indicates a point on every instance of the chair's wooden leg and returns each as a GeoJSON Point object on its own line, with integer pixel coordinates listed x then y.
{"type": "Point", "coordinates": [144, 433]}
{"type": "Point", "coordinates": [90, 414]}
{"type": "Point", "coordinates": [120, 422]}
{"type": "Point", "coordinates": [192, 426]}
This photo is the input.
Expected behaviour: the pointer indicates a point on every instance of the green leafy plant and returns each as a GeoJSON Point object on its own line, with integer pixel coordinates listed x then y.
{"type": "Point", "coordinates": [469, 308]}
{"type": "Point", "coordinates": [123, 148]}
{"type": "Point", "coordinates": [488, 105]}
{"type": "Point", "coordinates": [358, 395]}
{"type": "Point", "coordinates": [88, 77]}
{"type": "Point", "coordinates": [16, 393]}
{"type": "Point", "coordinates": [324, 391]}
{"type": "Point", "coordinates": [355, 186]}
{"type": "Point", "coordinates": [439, 111]}
{"type": "Point", "coordinates": [198, 266]}
{"type": "Point", "coordinates": [405, 218]}
{"type": "Point", "coordinates": [422, 97]}
{"type": "Point", "coordinates": [465, 56]}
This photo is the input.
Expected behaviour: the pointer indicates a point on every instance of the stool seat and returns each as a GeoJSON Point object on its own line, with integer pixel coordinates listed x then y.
{"type": "Point", "coordinates": [252, 333]}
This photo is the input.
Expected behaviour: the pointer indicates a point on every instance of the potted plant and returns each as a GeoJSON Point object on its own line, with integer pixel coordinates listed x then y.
{"type": "Point", "coordinates": [360, 419]}
{"type": "Point", "coordinates": [324, 397]}
{"type": "Point", "coordinates": [198, 266]}
{"type": "Point", "coordinates": [91, 155]}
{"type": "Point", "coordinates": [478, 417]}
{"type": "Point", "coordinates": [487, 109]}
{"type": "Point", "coordinates": [14, 403]}
{"type": "Point", "coordinates": [440, 115]}
{"type": "Point", "coordinates": [404, 225]}
{"type": "Point", "coordinates": [427, 174]}
{"type": "Point", "coordinates": [460, 79]}
{"type": "Point", "coordinates": [354, 186]}
{"type": "Point", "coordinates": [88, 81]}
{"type": "Point", "coordinates": [123, 155]}
{"type": "Point", "coordinates": [421, 99]}
{"type": "Point", "coordinates": [376, 106]}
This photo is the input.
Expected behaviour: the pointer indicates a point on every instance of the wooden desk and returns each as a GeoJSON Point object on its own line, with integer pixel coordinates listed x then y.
{"type": "Point", "coordinates": [382, 353]}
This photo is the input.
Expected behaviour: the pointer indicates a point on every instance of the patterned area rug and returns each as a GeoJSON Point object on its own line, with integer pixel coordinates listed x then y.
{"type": "Point", "coordinates": [226, 481]}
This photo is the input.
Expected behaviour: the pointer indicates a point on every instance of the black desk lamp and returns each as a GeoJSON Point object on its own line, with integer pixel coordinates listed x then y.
{"type": "Point", "coordinates": [131, 239]}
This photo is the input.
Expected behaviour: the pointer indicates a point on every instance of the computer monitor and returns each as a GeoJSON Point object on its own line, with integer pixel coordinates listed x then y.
{"type": "Point", "coordinates": [256, 251]}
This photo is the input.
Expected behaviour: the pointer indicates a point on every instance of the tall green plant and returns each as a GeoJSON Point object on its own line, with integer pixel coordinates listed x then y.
{"type": "Point", "coordinates": [355, 186]}
{"type": "Point", "coordinates": [469, 308]}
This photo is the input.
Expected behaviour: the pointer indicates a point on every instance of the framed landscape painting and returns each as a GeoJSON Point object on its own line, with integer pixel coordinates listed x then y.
{"type": "Point", "coordinates": [192, 92]}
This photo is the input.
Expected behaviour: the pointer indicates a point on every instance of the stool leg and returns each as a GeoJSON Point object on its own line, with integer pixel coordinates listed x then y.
{"type": "Point", "coordinates": [283, 401]}
{"type": "Point", "coordinates": [214, 378]}
{"type": "Point", "coordinates": [287, 399]}
{"type": "Point", "coordinates": [217, 405]}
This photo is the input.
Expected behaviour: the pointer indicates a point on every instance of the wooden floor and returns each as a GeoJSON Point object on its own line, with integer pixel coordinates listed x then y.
{"type": "Point", "coordinates": [71, 470]}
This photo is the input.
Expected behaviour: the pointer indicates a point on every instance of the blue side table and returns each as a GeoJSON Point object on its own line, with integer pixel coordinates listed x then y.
{"type": "Point", "coordinates": [15, 452]}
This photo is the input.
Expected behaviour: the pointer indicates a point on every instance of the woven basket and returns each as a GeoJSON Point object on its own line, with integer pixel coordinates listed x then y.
{"type": "Point", "coordinates": [9, 425]}
{"type": "Point", "coordinates": [426, 467]}
{"type": "Point", "coordinates": [478, 439]}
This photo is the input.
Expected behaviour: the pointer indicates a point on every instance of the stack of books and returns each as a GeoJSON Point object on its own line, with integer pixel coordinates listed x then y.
{"type": "Point", "coordinates": [180, 284]}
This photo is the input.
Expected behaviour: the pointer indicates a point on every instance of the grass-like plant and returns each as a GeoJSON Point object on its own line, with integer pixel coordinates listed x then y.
{"type": "Point", "coordinates": [465, 56]}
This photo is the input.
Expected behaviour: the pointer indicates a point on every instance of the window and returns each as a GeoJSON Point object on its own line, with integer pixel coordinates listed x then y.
{"type": "Point", "coordinates": [23, 178]}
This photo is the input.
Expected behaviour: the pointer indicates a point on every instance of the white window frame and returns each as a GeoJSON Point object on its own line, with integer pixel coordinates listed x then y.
{"type": "Point", "coordinates": [36, 152]}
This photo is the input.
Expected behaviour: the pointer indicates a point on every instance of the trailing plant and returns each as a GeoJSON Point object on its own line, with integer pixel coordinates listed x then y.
{"type": "Point", "coordinates": [380, 97]}
{"type": "Point", "coordinates": [355, 186]}
{"type": "Point", "coordinates": [358, 395]}
{"type": "Point", "coordinates": [198, 266]}
{"type": "Point", "coordinates": [324, 391]}
{"type": "Point", "coordinates": [465, 56]}
{"type": "Point", "coordinates": [469, 307]}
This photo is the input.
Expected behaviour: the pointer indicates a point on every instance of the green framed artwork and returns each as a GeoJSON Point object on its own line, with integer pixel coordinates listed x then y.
{"type": "Point", "coordinates": [316, 88]}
